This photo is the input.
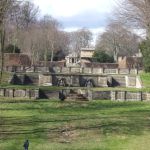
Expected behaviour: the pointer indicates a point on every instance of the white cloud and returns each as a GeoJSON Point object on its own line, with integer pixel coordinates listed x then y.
{"type": "Point", "coordinates": [75, 14]}
{"type": "Point", "coordinates": [67, 8]}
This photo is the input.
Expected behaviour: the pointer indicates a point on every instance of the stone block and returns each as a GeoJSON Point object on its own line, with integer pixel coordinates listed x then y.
{"type": "Point", "coordinates": [27, 93]}
{"type": "Point", "coordinates": [75, 80]}
{"type": "Point", "coordinates": [124, 71]}
{"type": "Point", "coordinates": [89, 95]}
{"type": "Point", "coordinates": [148, 96]}
{"type": "Point", "coordinates": [111, 71]}
{"type": "Point", "coordinates": [65, 70]}
{"type": "Point", "coordinates": [20, 93]}
{"type": "Point", "coordinates": [97, 71]}
{"type": "Point", "coordinates": [121, 95]}
{"type": "Point", "coordinates": [130, 81]}
{"type": "Point", "coordinates": [134, 96]}
{"type": "Point", "coordinates": [75, 70]}
{"type": "Point", "coordinates": [87, 70]}
{"type": "Point", "coordinates": [34, 94]}
{"type": "Point", "coordinates": [9, 93]}
{"type": "Point", "coordinates": [102, 81]}
{"type": "Point", "coordinates": [101, 95]}
{"type": "Point", "coordinates": [45, 80]}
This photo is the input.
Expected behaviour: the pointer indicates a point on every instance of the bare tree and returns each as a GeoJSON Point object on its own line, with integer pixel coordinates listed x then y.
{"type": "Point", "coordinates": [80, 39]}
{"type": "Point", "coordinates": [28, 14]}
{"type": "Point", "coordinates": [135, 13]}
{"type": "Point", "coordinates": [5, 7]}
{"type": "Point", "coordinates": [118, 40]}
{"type": "Point", "coordinates": [49, 27]}
{"type": "Point", "coordinates": [40, 40]}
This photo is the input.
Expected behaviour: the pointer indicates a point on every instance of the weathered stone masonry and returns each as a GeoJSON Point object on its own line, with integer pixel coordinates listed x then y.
{"type": "Point", "coordinates": [88, 94]}
{"type": "Point", "coordinates": [19, 93]}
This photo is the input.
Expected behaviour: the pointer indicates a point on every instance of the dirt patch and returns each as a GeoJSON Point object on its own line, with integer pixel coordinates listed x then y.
{"type": "Point", "coordinates": [67, 134]}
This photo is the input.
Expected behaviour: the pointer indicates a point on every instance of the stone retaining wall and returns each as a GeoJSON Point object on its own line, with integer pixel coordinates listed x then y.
{"type": "Point", "coordinates": [89, 94]}
{"type": "Point", "coordinates": [19, 93]}
{"type": "Point", "coordinates": [101, 95]}
{"type": "Point", "coordinates": [84, 70]}
{"type": "Point", "coordinates": [79, 80]}
{"type": "Point", "coordinates": [129, 96]}
{"type": "Point", "coordinates": [92, 70]}
{"type": "Point", "coordinates": [114, 95]}
{"type": "Point", "coordinates": [23, 79]}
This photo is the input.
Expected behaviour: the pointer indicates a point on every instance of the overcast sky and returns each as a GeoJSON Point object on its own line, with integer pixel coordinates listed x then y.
{"type": "Point", "coordinates": [75, 14]}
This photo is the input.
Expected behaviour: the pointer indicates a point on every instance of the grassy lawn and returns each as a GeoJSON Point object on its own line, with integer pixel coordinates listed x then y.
{"type": "Point", "coordinates": [145, 77]}
{"type": "Point", "coordinates": [54, 125]}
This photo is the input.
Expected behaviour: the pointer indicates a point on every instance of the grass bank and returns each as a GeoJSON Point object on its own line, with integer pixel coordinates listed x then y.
{"type": "Point", "coordinates": [145, 77]}
{"type": "Point", "coordinates": [54, 125]}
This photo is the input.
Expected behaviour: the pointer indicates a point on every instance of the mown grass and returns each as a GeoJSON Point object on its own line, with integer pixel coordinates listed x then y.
{"type": "Point", "coordinates": [55, 125]}
{"type": "Point", "coordinates": [145, 77]}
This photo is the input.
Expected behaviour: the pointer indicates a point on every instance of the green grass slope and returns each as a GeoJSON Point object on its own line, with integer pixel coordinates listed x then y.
{"type": "Point", "coordinates": [54, 125]}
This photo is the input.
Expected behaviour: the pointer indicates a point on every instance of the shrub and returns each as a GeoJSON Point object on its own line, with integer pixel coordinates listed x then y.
{"type": "Point", "coordinates": [12, 49]}
{"type": "Point", "coordinates": [145, 49]}
{"type": "Point", "coordinates": [102, 57]}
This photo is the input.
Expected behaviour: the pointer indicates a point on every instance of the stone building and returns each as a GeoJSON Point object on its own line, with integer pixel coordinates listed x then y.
{"type": "Point", "coordinates": [72, 60]}
{"type": "Point", "coordinates": [130, 62]}
{"type": "Point", "coordinates": [87, 52]}
{"type": "Point", "coordinates": [16, 60]}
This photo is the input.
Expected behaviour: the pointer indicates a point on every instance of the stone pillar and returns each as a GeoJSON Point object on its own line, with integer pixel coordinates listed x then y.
{"type": "Point", "coordinates": [139, 96]}
{"type": "Point", "coordinates": [148, 96]}
{"type": "Point", "coordinates": [113, 95]}
{"type": "Point", "coordinates": [129, 71]}
{"type": "Point", "coordinates": [70, 60]}
{"type": "Point", "coordinates": [123, 96]}
{"type": "Point", "coordinates": [92, 70]}
{"type": "Point", "coordinates": [71, 80]}
{"type": "Point", "coordinates": [11, 93]}
{"type": "Point", "coordinates": [27, 93]}
{"type": "Point", "coordinates": [136, 71]}
{"type": "Point", "coordinates": [36, 92]}
{"type": "Point", "coordinates": [82, 69]}
{"type": "Point", "coordinates": [75, 60]}
{"type": "Point", "coordinates": [103, 70]}
{"type": "Point", "coordinates": [89, 95]}
{"type": "Point", "coordinates": [61, 69]}
{"type": "Point", "coordinates": [117, 71]}
{"type": "Point", "coordinates": [2, 92]}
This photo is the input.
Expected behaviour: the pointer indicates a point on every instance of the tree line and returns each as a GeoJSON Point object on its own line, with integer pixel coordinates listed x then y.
{"type": "Point", "coordinates": [119, 39]}
{"type": "Point", "coordinates": [23, 28]}
{"type": "Point", "coordinates": [39, 37]}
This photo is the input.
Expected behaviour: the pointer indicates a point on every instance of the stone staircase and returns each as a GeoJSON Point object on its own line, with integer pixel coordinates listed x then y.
{"type": "Point", "coordinates": [74, 96]}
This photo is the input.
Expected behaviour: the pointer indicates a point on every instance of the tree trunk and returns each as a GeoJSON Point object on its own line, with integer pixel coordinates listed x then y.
{"type": "Point", "coordinates": [52, 53]}
{"type": "Point", "coordinates": [148, 32]}
{"type": "Point", "coordinates": [2, 45]}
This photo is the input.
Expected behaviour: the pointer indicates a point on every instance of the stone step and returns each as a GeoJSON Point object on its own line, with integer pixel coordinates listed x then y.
{"type": "Point", "coordinates": [75, 96]}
